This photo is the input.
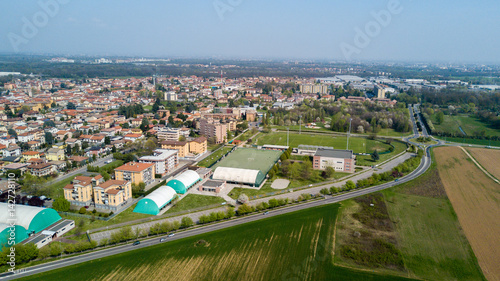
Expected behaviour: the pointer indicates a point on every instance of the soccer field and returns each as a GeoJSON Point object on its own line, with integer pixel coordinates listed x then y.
{"type": "Point", "coordinates": [250, 158]}
{"type": "Point", "coordinates": [357, 144]}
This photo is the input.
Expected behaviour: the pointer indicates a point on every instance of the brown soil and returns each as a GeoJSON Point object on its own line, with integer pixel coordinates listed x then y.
{"type": "Point", "coordinates": [488, 158]}
{"type": "Point", "coordinates": [476, 200]}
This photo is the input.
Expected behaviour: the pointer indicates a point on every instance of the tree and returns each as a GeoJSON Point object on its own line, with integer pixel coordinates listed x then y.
{"type": "Point", "coordinates": [107, 140]}
{"type": "Point", "coordinates": [113, 149]}
{"type": "Point", "coordinates": [350, 185]}
{"type": "Point", "coordinates": [32, 185]}
{"type": "Point", "coordinates": [68, 150]}
{"type": "Point", "coordinates": [82, 210]}
{"type": "Point", "coordinates": [329, 172]}
{"type": "Point", "coordinates": [105, 176]}
{"type": "Point", "coordinates": [186, 222]}
{"type": "Point", "coordinates": [439, 117]}
{"type": "Point", "coordinates": [61, 204]}
{"type": "Point", "coordinates": [243, 198]}
{"type": "Point", "coordinates": [71, 105]}
{"type": "Point", "coordinates": [49, 139]}
{"type": "Point", "coordinates": [150, 145]}
{"type": "Point", "coordinates": [144, 124]}
{"type": "Point", "coordinates": [375, 156]}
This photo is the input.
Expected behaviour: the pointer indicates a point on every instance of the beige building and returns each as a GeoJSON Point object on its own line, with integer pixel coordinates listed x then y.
{"type": "Point", "coordinates": [112, 194]}
{"type": "Point", "coordinates": [198, 145]}
{"type": "Point", "coordinates": [181, 146]}
{"type": "Point", "coordinates": [213, 128]}
{"type": "Point", "coordinates": [314, 89]}
{"type": "Point", "coordinates": [136, 172]}
{"type": "Point", "coordinates": [79, 191]}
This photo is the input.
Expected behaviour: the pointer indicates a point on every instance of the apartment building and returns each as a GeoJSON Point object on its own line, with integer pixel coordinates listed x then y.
{"type": "Point", "coordinates": [79, 191]}
{"type": "Point", "coordinates": [198, 145]}
{"type": "Point", "coordinates": [112, 194]}
{"type": "Point", "coordinates": [213, 128]}
{"type": "Point", "coordinates": [314, 89]}
{"type": "Point", "coordinates": [165, 160]}
{"type": "Point", "coordinates": [181, 146]}
{"type": "Point", "coordinates": [136, 172]}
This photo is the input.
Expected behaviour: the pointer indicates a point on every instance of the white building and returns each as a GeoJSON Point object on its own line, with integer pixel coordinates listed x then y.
{"type": "Point", "coordinates": [165, 160]}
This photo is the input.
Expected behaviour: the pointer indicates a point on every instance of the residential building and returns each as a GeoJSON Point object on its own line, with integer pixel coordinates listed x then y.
{"type": "Point", "coordinates": [112, 194]}
{"type": "Point", "coordinates": [79, 191]}
{"type": "Point", "coordinates": [314, 89]}
{"type": "Point", "coordinates": [41, 170]}
{"type": "Point", "coordinates": [340, 160]}
{"type": "Point", "coordinates": [27, 155]}
{"type": "Point", "coordinates": [198, 145]}
{"type": "Point", "coordinates": [168, 134]}
{"type": "Point", "coordinates": [136, 172]}
{"type": "Point", "coordinates": [55, 154]}
{"type": "Point", "coordinates": [165, 160]}
{"type": "Point", "coordinates": [213, 128]}
{"type": "Point", "coordinates": [181, 146]}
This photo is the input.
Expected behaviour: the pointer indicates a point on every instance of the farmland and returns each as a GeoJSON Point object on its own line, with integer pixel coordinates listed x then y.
{"type": "Point", "coordinates": [475, 198]}
{"type": "Point", "coordinates": [423, 227]}
{"type": "Point", "coordinates": [488, 158]}
{"type": "Point", "coordinates": [253, 251]}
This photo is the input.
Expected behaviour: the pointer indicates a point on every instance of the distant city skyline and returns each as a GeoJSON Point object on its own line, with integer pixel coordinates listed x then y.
{"type": "Point", "coordinates": [389, 30]}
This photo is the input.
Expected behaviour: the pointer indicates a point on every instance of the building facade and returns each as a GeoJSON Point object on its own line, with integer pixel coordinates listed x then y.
{"type": "Point", "coordinates": [136, 172]}
{"type": "Point", "coordinates": [340, 160]}
{"type": "Point", "coordinates": [181, 146]}
{"type": "Point", "coordinates": [165, 160]}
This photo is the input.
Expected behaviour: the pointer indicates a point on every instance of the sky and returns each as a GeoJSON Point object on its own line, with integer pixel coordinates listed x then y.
{"type": "Point", "coordinates": [382, 30]}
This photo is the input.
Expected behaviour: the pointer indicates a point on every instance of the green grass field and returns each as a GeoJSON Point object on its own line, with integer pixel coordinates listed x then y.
{"type": "Point", "coordinates": [250, 158]}
{"type": "Point", "coordinates": [357, 144]}
{"type": "Point", "coordinates": [295, 246]}
{"type": "Point", "coordinates": [194, 201]}
{"type": "Point", "coordinates": [214, 157]}
{"type": "Point", "coordinates": [470, 125]}
{"type": "Point", "coordinates": [383, 132]}
{"type": "Point", "coordinates": [366, 160]}
{"type": "Point", "coordinates": [431, 239]}
{"type": "Point", "coordinates": [56, 189]}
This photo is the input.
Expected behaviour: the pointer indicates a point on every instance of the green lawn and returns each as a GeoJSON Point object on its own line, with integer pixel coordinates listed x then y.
{"type": "Point", "coordinates": [295, 246]}
{"type": "Point", "coordinates": [267, 190]}
{"type": "Point", "coordinates": [359, 145]}
{"type": "Point", "coordinates": [472, 141]}
{"type": "Point", "coordinates": [112, 165]}
{"type": "Point", "coordinates": [470, 125]}
{"type": "Point", "coordinates": [250, 158]}
{"type": "Point", "coordinates": [366, 160]}
{"type": "Point", "coordinates": [383, 132]}
{"type": "Point", "coordinates": [208, 161]}
{"type": "Point", "coordinates": [429, 233]}
{"type": "Point", "coordinates": [56, 189]}
{"type": "Point", "coordinates": [194, 202]}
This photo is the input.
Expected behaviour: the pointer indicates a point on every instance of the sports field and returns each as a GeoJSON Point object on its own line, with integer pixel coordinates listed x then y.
{"type": "Point", "coordinates": [250, 158]}
{"type": "Point", "coordinates": [358, 145]}
{"type": "Point", "coordinates": [475, 198]}
{"type": "Point", "coordinates": [295, 246]}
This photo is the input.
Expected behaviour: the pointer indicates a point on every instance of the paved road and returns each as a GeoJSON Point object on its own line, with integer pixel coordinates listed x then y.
{"type": "Point", "coordinates": [99, 162]}
{"type": "Point", "coordinates": [424, 165]}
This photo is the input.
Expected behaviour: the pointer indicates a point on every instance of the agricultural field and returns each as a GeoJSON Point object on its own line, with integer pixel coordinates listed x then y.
{"type": "Point", "coordinates": [470, 125]}
{"type": "Point", "coordinates": [211, 159]}
{"type": "Point", "coordinates": [475, 198]}
{"type": "Point", "coordinates": [422, 225]}
{"type": "Point", "coordinates": [250, 158]}
{"type": "Point", "coordinates": [253, 251]}
{"type": "Point", "coordinates": [488, 158]}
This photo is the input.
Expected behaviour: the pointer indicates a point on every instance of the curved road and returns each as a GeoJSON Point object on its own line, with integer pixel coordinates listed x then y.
{"type": "Point", "coordinates": [424, 165]}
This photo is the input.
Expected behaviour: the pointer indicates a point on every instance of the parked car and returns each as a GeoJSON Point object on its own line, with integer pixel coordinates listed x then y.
{"type": "Point", "coordinates": [163, 240]}
{"type": "Point", "coordinates": [136, 243]}
{"type": "Point", "coordinates": [108, 161]}
{"type": "Point", "coordinates": [171, 234]}
{"type": "Point", "coordinates": [265, 213]}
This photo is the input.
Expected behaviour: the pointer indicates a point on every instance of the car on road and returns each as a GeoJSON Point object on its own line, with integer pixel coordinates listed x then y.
{"type": "Point", "coordinates": [136, 243]}
{"type": "Point", "coordinates": [396, 180]}
{"type": "Point", "coordinates": [108, 161]}
{"type": "Point", "coordinates": [171, 235]}
{"type": "Point", "coordinates": [163, 239]}
{"type": "Point", "coordinates": [266, 213]}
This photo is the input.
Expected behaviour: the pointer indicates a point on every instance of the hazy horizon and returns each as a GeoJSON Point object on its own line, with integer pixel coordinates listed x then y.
{"type": "Point", "coordinates": [383, 31]}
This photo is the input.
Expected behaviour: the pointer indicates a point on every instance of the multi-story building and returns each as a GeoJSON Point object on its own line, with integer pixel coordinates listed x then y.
{"type": "Point", "coordinates": [55, 154]}
{"type": "Point", "coordinates": [314, 89]}
{"type": "Point", "coordinates": [168, 134]}
{"type": "Point", "coordinates": [112, 194]}
{"type": "Point", "coordinates": [340, 160]}
{"type": "Point", "coordinates": [27, 155]}
{"type": "Point", "coordinates": [165, 160]}
{"type": "Point", "coordinates": [213, 128]}
{"type": "Point", "coordinates": [181, 146]}
{"type": "Point", "coordinates": [79, 191]}
{"type": "Point", "coordinates": [198, 145]}
{"type": "Point", "coordinates": [170, 96]}
{"type": "Point", "coordinates": [41, 170]}
{"type": "Point", "coordinates": [136, 172]}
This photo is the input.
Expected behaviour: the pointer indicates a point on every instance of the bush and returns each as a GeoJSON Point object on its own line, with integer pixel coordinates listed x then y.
{"type": "Point", "coordinates": [82, 210]}
{"type": "Point", "coordinates": [61, 204]}
{"type": "Point", "coordinates": [186, 222]}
